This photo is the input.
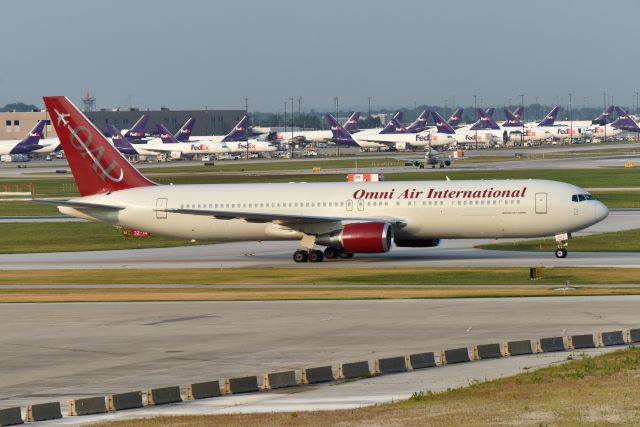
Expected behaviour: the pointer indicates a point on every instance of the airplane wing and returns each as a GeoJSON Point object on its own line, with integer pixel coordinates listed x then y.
{"type": "Point", "coordinates": [285, 219]}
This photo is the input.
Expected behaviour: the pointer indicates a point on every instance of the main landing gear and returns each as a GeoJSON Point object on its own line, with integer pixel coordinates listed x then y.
{"type": "Point", "coordinates": [314, 255]}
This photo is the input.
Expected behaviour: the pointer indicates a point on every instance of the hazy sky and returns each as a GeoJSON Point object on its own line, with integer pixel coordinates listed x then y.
{"type": "Point", "coordinates": [191, 54]}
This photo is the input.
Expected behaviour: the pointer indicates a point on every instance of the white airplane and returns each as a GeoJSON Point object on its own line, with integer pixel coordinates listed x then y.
{"type": "Point", "coordinates": [26, 145]}
{"type": "Point", "coordinates": [605, 129]}
{"type": "Point", "coordinates": [167, 144]}
{"type": "Point", "coordinates": [388, 137]}
{"type": "Point", "coordinates": [511, 129]}
{"type": "Point", "coordinates": [351, 125]}
{"type": "Point", "coordinates": [346, 218]}
{"type": "Point", "coordinates": [251, 145]}
{"type": "Point", "coordinates": [238, 133]}
{"type": "Point", "coordinates": [462, 136]}
{"type": "Point", "coordinates": [557, 131]}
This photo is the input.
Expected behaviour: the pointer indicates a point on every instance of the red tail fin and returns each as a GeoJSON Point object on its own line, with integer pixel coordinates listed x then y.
{"type": "Point", "coordinates": [97, 166]}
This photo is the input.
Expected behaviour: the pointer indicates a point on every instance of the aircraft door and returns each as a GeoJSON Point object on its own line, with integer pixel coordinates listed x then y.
{"type": "Point", "coordinates": [541, 203]}
{"type": "Point", "coordinates": [349, 205]}
{"type": "Point", "coordinates": [161, 208]}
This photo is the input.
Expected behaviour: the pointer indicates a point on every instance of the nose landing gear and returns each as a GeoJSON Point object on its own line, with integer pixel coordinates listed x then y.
{"type": "Point", "coordinates": [561, 240]}
{"type": "Point", "coordinates": [561, 253]}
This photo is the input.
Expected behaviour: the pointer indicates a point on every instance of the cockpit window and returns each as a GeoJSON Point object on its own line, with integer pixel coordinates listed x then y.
{"type": "Point", "coordinates": [581, 197]}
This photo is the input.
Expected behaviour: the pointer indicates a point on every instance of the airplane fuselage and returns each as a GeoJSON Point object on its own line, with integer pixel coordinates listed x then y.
{"type": "Point", "coordinates": [428, 209]}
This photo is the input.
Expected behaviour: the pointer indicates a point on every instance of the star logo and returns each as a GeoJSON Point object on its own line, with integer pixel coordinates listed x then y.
{"type": "Point", "coordinates": [61, 117]}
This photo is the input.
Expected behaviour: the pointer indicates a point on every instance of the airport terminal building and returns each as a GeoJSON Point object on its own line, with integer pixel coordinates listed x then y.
{"type": "Point", "coordinates": [15, 125]}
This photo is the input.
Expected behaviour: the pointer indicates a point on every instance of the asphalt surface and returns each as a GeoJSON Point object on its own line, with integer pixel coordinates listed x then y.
{"type": "Point", "coordinates": [55, 352]}
{"type": "Point", "coordinates": [278, 254]}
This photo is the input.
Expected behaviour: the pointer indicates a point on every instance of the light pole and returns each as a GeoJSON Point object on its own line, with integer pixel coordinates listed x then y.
{"type": "Point", "coordinates": [336, 100]}
{"type": "Point", "coordinates": [475, 107]}
{"type": "Point", "coordinates": [637, 133]}
{"type": "Point", "coordinates": [369, 99]}
{"type": "Point", "coordinates": [291, 117]}
{"type": "Point", "coordinates": [522, 119]}
{"type": "Point", "coordinates": [570, 121]}
{"type": "Point", "coordinates": [446, 109]}
{"type": "Point", "coordinates": [246, 111]}
{"type": "Point", "coordinates": [604, 99]}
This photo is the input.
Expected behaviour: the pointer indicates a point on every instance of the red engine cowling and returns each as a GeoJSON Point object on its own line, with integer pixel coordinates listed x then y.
{"type": "Point", "coordinates": [366, 237]}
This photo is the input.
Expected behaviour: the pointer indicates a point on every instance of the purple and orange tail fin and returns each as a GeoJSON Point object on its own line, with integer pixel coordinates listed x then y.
{"type": "Point", "coordinates": [352, 122]}
{"type": "Point", "coordinates": [441, 124]}
{"type": "Point", "coordinates": [340, 134]}
{"type": "Point", "coordinates": [625, 121]}
{"type": "Point", "coordinates": [550, 118]}
{"type": "Point", "coordinates": [456, 117]}
{"type": "Point", "coordinates": [97, 166]}
{"type": "Point", "coordinates": [185, 131]}
{"type": "Point", "coordinates": [239, 132]}
{"type": "Point", "coordinates": [605, 117]}
{"type": "Point", "coordinates": [518, 112]}
{"type": "Point", "coordinates": [165, 135]}
{"type": "Point", "coordinates": [512, 120]}
{"type": "Point", "coordinates": [137, 131]}
{"type": "Point", "coordinates": [419, 123]}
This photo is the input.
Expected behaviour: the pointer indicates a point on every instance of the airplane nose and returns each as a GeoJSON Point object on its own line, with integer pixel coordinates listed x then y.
{"type": "Point", "coordinates": [600, 211]}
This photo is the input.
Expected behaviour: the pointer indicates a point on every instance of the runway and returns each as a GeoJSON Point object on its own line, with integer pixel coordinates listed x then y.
{"type": "Point", "coordinates": [55, 352]}
{"type": "Point", "coordinates": [452, 253]}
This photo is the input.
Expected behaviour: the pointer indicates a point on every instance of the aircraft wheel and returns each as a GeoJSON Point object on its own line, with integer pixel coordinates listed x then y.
{"type": "Point", "coordinates": [346, 255]}
{"type": "Point", "coordinates": [561, 253]}
{"type": "Point", "coordinates": [316, 256]}
{"type": "Point", "coordinates": [300, 256]}
{"type": "Point", "coordinates": [331, 253]}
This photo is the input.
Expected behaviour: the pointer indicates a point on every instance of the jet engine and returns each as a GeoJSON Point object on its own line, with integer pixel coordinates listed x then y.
{"type": "Point", "coordinates": [360, 237]}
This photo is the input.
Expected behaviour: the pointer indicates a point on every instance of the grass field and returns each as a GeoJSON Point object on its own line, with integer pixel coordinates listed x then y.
{"type": "Point", "coordinates": [619, 199]}
{"type": "Point", "coordinates": [280, 165]}
{"type": "Point", "coordinates": [339, 284]}
{"type": "Point", "coordinates": [588, 178]}
{"type": "Point", "coordinates": [88, 294]}
{"type": "Point", "coordinates": [74, 236]}
{"type": "Point", "coordinates": [592, 391]}
{"type": "Point", "coordinates": [619, 241]}
{"type": "Point", "coordinates": [328, 275]}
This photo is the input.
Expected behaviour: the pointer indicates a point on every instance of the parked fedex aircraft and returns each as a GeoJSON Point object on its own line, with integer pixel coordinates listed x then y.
{"type": "Point", "coordinates": [346, 218]}
{"type": "Point", "coordinates": [137, 131]}
{"type": "Point", "coordinates": [238, 133]}
{"type": "Point", "coordinates": [125, 146]}
{"type": "Point", "coordinates": [557, 131]}
{"type": "Point", "coordinates": [184, 132]}
{"type": "Point", "coordinates": [26, 145]}
{"type": "Point", "coordinates": [351, 125]}
{"type": "Point", "coordinates": [625, 122]}
{"type": "Point", "coordinates": [511, 130]}
{"type": "Point", "coordinates": [604, 125]}
{"type": "Point", "coordinates": [456, 118]}
{"type": "Point", "coordinates": [462, 136]}
{"type": "Point", "coordinates": [386, 138]}
{"type": "Point", "coordinates": [251, 145]}
{"type": "Point", "coordinates": [168, 144]}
